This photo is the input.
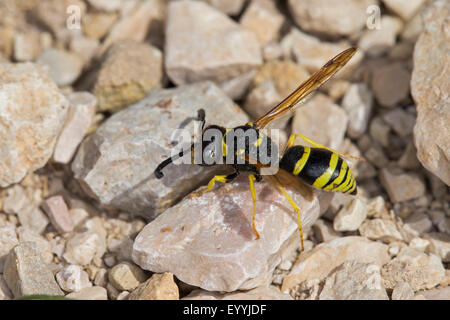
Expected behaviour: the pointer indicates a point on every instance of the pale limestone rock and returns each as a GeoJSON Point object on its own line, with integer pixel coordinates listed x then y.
{"type": "Point", "coordinates": [419, 270]}
{"type": "Point", "coordinates": [30, 122]}
{"type": "Point", "coordinates": [231, 7]}
{"type": "Point", "coordinates": [115, 164]}
{"type": "Point", "coordinates": [430, 88]}
{"type": "Point", "coordinates": [272, 51]}
{"type": "Point", "coordinates": [409, 160]}
{"type": "Point", "coordinates": [441, 293]}
{"type": "Point", "coordinates": [106, 5]}
{"type": "Point", "coordinates": [357, 102]}
{"type": "Point", "coordinates": [44, 247]}
{"type": "Point", "coordinates": [5, 293]}
{"type": "Point", "coordinates": [63, 67]}
{"type": "Point", "coordinates": [73, 279]}
{"type": "Point", "coordinates": [128, 73]}
{"type": "Point", "coordinates": [57, 211]}
{"type": "Point", "coordinates": [261, 99]}
{"type": "Point", "coordinates": [379, 229]}
{"type": "Point", "coordinates": [405, 9]}
{"type": "Point", "coordinates": [419, 222]}
{"type": "Point", "coordinates": [320, 261]}
{"type": "Point", "coordinates": [31, 217]}
{"type": "Point", "coordinates": [402, 291]}
{"type": "Point", "coordinates": [78, 215]}
{"type": "Point", "coordinates": [208, 241]}
{"type": "Point", "coordinates": [82, 248]}
{"type": "Point", "coordinates": [15, 200]}
{"type": "Point", "coordinates": [413, 28]}
{"type": "Point", "coordinates": [101, 278]}
{"type": "Point", "coordinates": [400, 121]}
{"type": "Point", "coordinates": [221, 53]}
{"type": "Point", "coordinates": [90, 293]}
{"type": "Point", "coordinates": [79, 120]}
{"type": "Point", "coordinates": [354, 280]}
{"type": "Point", "coordinates": [26, 274]}
{"type": "Point", "coordinates": [259, 293]}
{"type": "Point", "coordinates": [439, 245]}
{"type": "Point", "coordinates": [420, 244]}
{"type": "Point", "coordinates": [377, 42]}
{"type": "Point", "coordinates": [8, 239]}
{"type": "Point", "coordinates": [97, 24]}
{"type": "Point", "coordinates": [27, 45]}
{"type": "Point", "coordinates": [86, 48]}
{"type": "Point", "coordinates": [332, 17]}
{"type": "Point", "coordinates": [158, 287]}
{"type": "Point", "coordinates": [350, 217]}
{"type": "Point", "coordinates": [263, 18]}
{"type": "Point", "coordinates": [126, 276]}
{"type": "Point", "coordinates": [390, 83]}
{"type": "Point", "coordinates": [401, 186]}
{"type": "Point", "coordinates": [322, 121]}
{"type": "Point", "coordinates": [380, 131]}
{"type": "Point", "coordinates": [324, 232]}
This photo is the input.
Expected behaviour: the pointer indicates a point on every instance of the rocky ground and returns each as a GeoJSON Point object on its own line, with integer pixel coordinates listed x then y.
{"type": "Point", "coordinates": [91, 90]}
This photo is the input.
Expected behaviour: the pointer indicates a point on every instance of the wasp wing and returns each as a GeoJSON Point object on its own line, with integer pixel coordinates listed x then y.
{"type": "Point", "coordinates": [284, 179]}
{"type": "Point", "coordinates": [307, 87]}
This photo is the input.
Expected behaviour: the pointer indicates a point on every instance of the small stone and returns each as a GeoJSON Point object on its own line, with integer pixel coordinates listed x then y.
{"type": "Point", "coordinates": [158, 287]}
{"type": "Point", "coordinates": [126, 276]}
{"type": "Point", "coordinates": [123, 295]}
{"type": "Point", "coordinates": [96, 25]}
{"type": "Point", "coordinates": [79, 120]}
{"type": "Point", "coordinates": [413, 28]}
{"type": "Point", "coordinates": [357, 102]}
{"type": "Point", "coordinates": [101, 278]}
{"type": "Point", "coordinates": [263, 18]}
{"type": "Point", "coordinates": [62, 66]}
{"type": "Point", "coordinates": [82, 248]}
{"type": "Point", "coordinates": [400, 121]}
{"type": "Point", "coordinates": [261, 99]}
{"type": "Point", "coordinates": [390, 84]}
{"type": "Point", "coordinates": [324, 232]}
{"type": "Point", "coordinates": [90, 293]}
{"type": "Point", "coordinates": [380, 131]}
{"type": "Point", "coordinates": [439, 245]}
{"type": "Point", "coordinates": [78, 215]}
{"type": "Point", "coordinates": [442, 293]}
{"type": "Point", "coordinates": [354, 280]}
{"type": "Point", "coordinates": [72, 278]}
{"type": "Point", "coordinates": [419, 270]}
{"type": "Point", "coordinates": [85, 48]}
{"type": "Point", "coordinates": [404, 8]}
{"type": "Point", "coordinates": [57, 211]}
{"type": "Point", "coordinates": [444, 225]}
{"type": "Point", "coordinates": [272, 51]}
{"type": "Point", "coordinates": [401, 186]}
{"type": "Point", "coordinates": [259, 293]}
{"type": "Point", "coordinates": [8, 239]}
{"type": "Point", "coordinates": [44, 247]}
{"type": "Point", "coordinates": [27, 46]}
{"type": "Point", "coordinates": [419, 244]}
{"type": "Point", "coordinates": [106, 5]}
{"type": "Point", "coordinates": [230, 7]}
{"type": "Point", "coordinates": [32, 218]}
{"type": "Point", "coordinates": [377, 42]}
{"type": "Point", "coordinates": [26, 274]}
{"type": "Point", "coordinates": [409, 160]}
{"type": "Point", "coordinates": [402, 291]}
{"type": "Point", "coordinates": [5, 293]}
{"type": "Point", "coordinates": [379, 229]}
{"type": "Point", "coordinates": [15, 200]}
{"type": "Point", "coordinates": [350, 217]}
{"type": "Point", "coordinates": [419, 222]}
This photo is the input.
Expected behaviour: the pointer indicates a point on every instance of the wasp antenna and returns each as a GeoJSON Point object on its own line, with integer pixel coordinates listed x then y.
{"type": "Point", "coordinates": [158, 171]}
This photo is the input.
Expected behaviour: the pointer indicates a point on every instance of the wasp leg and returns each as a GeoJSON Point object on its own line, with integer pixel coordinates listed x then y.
{"type": "Point", "coordinates": [212, 183]}
{"type": "Point", "coordinates": [252, 179]}
{"type": "Point", "coordinates": [294, 136]}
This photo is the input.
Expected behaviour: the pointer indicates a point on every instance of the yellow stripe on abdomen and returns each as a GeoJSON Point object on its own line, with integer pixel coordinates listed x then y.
{"type": "Point", "coordinates": [326, 176]}
{"type": "Point", "coordinates": [343, 186]}
{"type": "Point", "coordinates": [301, 163]}
{"type": "Point", "coordinates": [332, 186]}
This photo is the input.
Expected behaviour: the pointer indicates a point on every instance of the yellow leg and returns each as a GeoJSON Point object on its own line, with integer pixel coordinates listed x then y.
{"type": "Point", "coordinates": [211, 185]}
{"type": "Point", "coordinates": [297, 210]}
{"type": "Point", "coordinates": [294, 136]}
{"type": "Point", "coordinates": [252, 179]}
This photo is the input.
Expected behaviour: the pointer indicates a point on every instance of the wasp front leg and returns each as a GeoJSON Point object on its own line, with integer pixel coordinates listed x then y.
{"type": "Point", "coordinates": [212, 183]}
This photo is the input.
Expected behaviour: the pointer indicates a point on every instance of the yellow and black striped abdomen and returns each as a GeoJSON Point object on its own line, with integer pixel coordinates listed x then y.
{"type": "Point", "coordinates": [319, 168]}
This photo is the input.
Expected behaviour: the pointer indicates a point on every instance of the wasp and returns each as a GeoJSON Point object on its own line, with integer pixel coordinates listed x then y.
{"type": "Point", "coordinates": [300, 166]}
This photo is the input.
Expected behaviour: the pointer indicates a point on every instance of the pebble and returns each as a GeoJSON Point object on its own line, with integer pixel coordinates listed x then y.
{"type": "Point", "coordinates": [322, 259]}
{"type": "Point", "coordinates": [82, 248]}
{"type": "Point", "coordinates": [400, 121]}
{"type": "Point", "coordinates": [32, 218]}
{"type": "Point", "coordinates": [390, 84]}
{"type": "Point", "coordinates": [90, 293]}
{"type": "Point", "coordinates": [442, 293]}
{"type": "Point", "coordinates": [419, 244]}
{"type": "Point", "coordinates": [44, 247]}
{"type": "Point", "coordinates": [8, 239]}
{"type": "Point", "coordinates": [73, 278]}
{"type": "Point", "coordinates": [106, 5]}
{"type": "Point", "coordinates": [126, 276]}
{"type": "Point", "coordinates": [322, 121]}
{"type": "Point", "coordinates": [401, 186]}
{"type": "Point", "coordinates": [429, 88]}
{"type": "Point", "coordinates": [27, 46]}
{"type": "Point", "coordinates": [324, 232]}
{"type": "Point", "coordinates": [404, 8]}
{"type": "Point", "coordinates": [259, 293]}
{"type": "Point", "coordinates": [78, 215]}
{"type": "Point", "coordinates": [58, 213]}
{"type": "Point", "coordinates": [97, 24]}
{"type": "Point", "coordinates": [413, 28]}
{"type": "Point", "coordinates": [86, 48]}
{"type": "Point", "coordinates": [222, 54]}
{"type": "Point", "coordinates": [101, 278]}
{"type": "Point", "coordinates": [30, 139]}
{"type": "Point", "coordinates": [263, 19]}
{"type": "Point", "coordinates": [354, 280]}
{"type": "Point", "coordinates": [5, 293]}
{"type": "Point", "coordinates": [15, 200]}
{"type": "Point", "coordinates": [158, 287]}
{"type": "Point", "coordinates": [350, 217]}
{"type": "Point", "coordinates": [26, 274]}
{"type": "Point", "coordinates": [79, 120]}
{"type": "Point", "coordinates": [380, 229]}
{"type": "Point", "coordinates": [377, 42]}
{"type": "Point", "coordinates": [419, 270]}
{"type": "Point", "coordinates": [409, 160]}
{"type": "Point", "coordinates": [402, 291]}
{"type": "Point", "coordinates": [261, 99]}
{"type": "Point", "coordinates": [419, 222]}
{"type": "Point", "coordinates": [357, 102]}
{"type": "Point", "coordinates": [128, 73]}
{"type": "Point", "coordinates": [439, 245]}
{"type": "Point", "coordinates": [230, 7]}
{"type": "Point", "coordinates": [62, 66]}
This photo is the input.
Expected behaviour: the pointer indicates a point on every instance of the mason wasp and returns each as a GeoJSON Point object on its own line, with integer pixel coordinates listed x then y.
{"type": "Point", "coordinates": [300, 166]}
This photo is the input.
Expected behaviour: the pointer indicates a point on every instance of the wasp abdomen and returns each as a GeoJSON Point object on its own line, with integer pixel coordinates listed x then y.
{"type": "Point", "coordinates": [319, 168]}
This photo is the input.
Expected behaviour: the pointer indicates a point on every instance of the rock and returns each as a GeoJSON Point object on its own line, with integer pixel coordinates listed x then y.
{"type": "Point", "coordinates": [313, 53]}
{"type": "Point", "coordinates": [128, 73]}
{"type": "Point", "coordinates": [354, 280]}
{"type": "Point", "coordinates": [106, 5]}
{"type": "Point", "coordinates": [272, 51]}
{"type": "Point", "coordinates": [413, 28]}
{"type": "Point", "coordinates": [85, 48]}
{"type": "Point", "coordinates": [390, 84]}
{"type": "Point", "coordinates": [221, 54]}
{"type": "Point", "coordinates": [16, 199]}
{"type": "Point", "coordinates": [90, 293]}
{"type": "Point", "coordinates": [97, 24]}
{"type": "Point", "coordinates": [379, 229]}
{"type": "Point", "coordinates": [201, 239]}
{"type": "Point", "coordinates": [8, 239]}
{"type": "Point", "coordinates": [419, 270]}
{"type": "Point", "coordinates": [259, 293]}
{"type": "Point", "coordinates": [350, 217]}
{"type": "Point", "coordinates": [27, 45]}
{"type": "Point", "coordinates": [439, 245]}
{"type": "Point", "coordinates": [429, 88]}
{"type": "Point", "coordinates": [82, 248]}
{"type": "Point", "coordinates": [158, 287]}
{"type": "Point", "coordinates": [72, 278]}
{"type": "Point", "coordinates": [442, 293]}
{"type": "Point", "coordinates": [401, 186]}
{"type": "Point", "coordinates": [419, 222]}
{"type": "Point", "coordinates": [320, 261]}
{"type": "Point", "coordinates": [230, 7]}
{"type": "Point", "coordinates": [126, 276]}
{"type": "Point", "coordinates": [57, 211]}
{"type": "Point", "coordinates": [63, 67]}
{"type": "Point", "coordinates": [402, 291]}
{"type": "Point", "coordinates": [380, 131]}
{"type": "Point", "coordinates": [261, 99]}
{"type": "Point", "coordinates": [409, 160]}
{"type": "Point", "coordinates": [26, 274]}
{"type": "Point", "coordinates": [377, 42]}
{"type": "Point", "coordinates": [263, 18]}
{"type": "Point", "coordinates": [444, 225]}
{"type": "Point", "coordinates": [32, 218]}
{"type": "Point", "coordinates": [357, 102]}
{"type": "Point", "coordinates": [33, 120]}
{"type": "Point", "coordinates": [400, 121]}
{"type": "Point", "coordinates": [419, 244]}
{"type": "Point", "coordinates": [101, 278]}
{"type": "Point", "coordinates": [5, 293]}
{"type": "Point", "coordinates": [79, 120]}
{"type": "Point", "coordinates": [44, 247]}
{"type": "Point", "coordinates": [330, 17]}
{"type": "Point", "coordinates": [322, 121]}
{"type": "Point", "coordinates": [115, 164]}
{"type": "Point", "coordinates": [403, 8]}
{"type": "Point", "coordinates": [324, 232]}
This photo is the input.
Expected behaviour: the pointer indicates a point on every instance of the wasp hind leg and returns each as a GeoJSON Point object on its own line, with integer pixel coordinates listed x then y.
{"type": "Point", "coordinates": [212, 183]}
{"type": "Point", "coordinates": [252, 179]}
